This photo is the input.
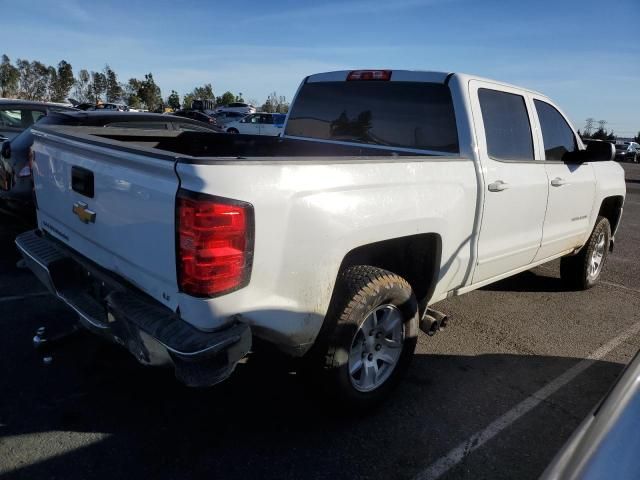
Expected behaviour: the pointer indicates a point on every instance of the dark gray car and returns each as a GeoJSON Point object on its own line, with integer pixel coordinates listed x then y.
{"type": "Point", "coordinates": [16, 183]}
{"type": "Point", "coordinates": [17, 115]}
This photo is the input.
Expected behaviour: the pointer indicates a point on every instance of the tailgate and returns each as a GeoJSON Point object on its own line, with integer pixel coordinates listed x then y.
{"type": "Point", "coordinates": [112, 205]}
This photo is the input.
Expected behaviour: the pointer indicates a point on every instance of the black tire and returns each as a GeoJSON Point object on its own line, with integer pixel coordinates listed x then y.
{"type": "Point", "coordinates": [361, 290]}
{"type": "Point", "coordinates": [232, 130]}
{"type": "Point", "coordinates": [575, 270]}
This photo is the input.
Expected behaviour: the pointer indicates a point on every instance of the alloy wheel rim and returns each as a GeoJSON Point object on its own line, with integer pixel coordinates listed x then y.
{"type": "Point", "coordinates": [597, 257]}
{"type": "Point", "coordinates": [376, 348]}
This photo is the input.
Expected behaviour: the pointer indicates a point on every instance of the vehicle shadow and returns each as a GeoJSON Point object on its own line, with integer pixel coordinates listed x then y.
{"type": "Point", "coordinates": [266, 421]}
{"type": "Point", "coordinates": [96, 413]}
{"type": "Point", "coordinates": [529, 281]}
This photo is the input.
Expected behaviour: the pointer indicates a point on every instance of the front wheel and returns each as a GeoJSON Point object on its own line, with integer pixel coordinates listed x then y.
{"type": "Point", "coordinates": [582, 271]}
{"type": "Point", "coordinates": [375, 326]}
{"type": "Point", "coordinates": [232, 130]}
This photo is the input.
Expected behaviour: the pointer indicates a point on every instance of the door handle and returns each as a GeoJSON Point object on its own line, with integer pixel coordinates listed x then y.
{"type": "Point", "coordinates": [498, 186]}
{"type": "Point", "coordinates": [558, 182]}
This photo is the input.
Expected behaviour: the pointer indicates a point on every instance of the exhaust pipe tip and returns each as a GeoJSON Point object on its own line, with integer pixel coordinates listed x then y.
{"type": "Point", "coordinates": [433, 321]}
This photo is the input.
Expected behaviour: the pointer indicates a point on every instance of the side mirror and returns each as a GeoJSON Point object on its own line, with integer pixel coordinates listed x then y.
{"type": "Point", "coordinates": [5, 151]}
{"type": "Point", "coordinates": [599, 151]}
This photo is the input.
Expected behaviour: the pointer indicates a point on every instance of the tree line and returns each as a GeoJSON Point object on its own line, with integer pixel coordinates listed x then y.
{"type": "Point", "coordinates": [34, 80]}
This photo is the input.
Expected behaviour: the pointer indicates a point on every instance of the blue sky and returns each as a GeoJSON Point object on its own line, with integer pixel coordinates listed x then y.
{"type": "Point", "coordinates": [583, 54]}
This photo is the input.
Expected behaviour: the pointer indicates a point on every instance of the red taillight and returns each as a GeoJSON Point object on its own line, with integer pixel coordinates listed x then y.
{"type": "Point", "coordinates": [215, 244]}
{"type": "Point", "coordinates": [369, 75]}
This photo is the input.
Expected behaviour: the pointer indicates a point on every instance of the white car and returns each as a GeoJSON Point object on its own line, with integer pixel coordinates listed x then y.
{"type": "Point", "coordinates": [390, 190]}
{"type": "Point", "coordinates": [223, 118]}
{"type": "Point", "coordinates": [238, 107]}
{"type": "Point", "coordinates": [258, 124]}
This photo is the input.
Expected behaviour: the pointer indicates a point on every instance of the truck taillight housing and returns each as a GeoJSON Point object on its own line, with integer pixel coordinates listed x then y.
{"type": "Point", "coordinates": [215, 244]}
{"type": "Point", "coordinates": [383, 75]}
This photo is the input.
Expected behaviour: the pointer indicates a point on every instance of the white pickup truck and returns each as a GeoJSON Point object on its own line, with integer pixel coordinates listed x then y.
{"type": "Point", "coordinates": [390, 190]}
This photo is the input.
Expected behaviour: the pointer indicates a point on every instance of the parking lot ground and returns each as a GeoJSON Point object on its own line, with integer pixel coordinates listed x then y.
{"type": "Point", "coordinates": [494, 396]}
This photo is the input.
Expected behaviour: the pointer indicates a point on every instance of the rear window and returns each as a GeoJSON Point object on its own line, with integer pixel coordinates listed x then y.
{"type": "Point", "coordinates": [396, 114]}
{"type": "Point", "coordinates": [506, 125]}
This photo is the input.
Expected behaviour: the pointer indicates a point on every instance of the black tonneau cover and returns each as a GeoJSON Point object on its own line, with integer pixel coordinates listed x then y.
{"type": "Point", "coordinates": [171, 144]}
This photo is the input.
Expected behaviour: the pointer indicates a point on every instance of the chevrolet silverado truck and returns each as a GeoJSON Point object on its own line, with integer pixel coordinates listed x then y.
{"type": "Point", "coordinates": [389, 191]}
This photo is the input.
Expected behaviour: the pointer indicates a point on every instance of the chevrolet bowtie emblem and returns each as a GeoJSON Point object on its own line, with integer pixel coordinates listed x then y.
{"type": "Point", "coordinates": [83, 213]}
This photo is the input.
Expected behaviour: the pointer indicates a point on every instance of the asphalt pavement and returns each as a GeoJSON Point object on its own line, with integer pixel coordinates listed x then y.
{"type": "Point", "coordinates": [495, 395]}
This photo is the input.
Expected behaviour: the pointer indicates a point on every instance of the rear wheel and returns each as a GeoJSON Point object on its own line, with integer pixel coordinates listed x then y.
{"type": "Point", "coordinates": [232, 130]}
{"type": "Point", "coordinates": [375, 325]}
{"type": "Point", "coordinates": [582, 271]}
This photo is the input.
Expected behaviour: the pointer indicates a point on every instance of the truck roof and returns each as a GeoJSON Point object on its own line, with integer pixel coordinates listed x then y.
{"type": "Point", "coordinates": [412, 76]}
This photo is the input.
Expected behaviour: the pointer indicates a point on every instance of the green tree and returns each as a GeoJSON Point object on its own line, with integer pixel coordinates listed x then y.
{"type": "Point", "coordinates": [204, 93]}
{"type": "Point", "coordinates": [600, 134]}
{"type": "Point", "coordinates": [149, 93]}
{"type": "Point", "coordinates": [134, 101]}
{"type": "Point", "coordinates": [187, 99]}
{"type": "Point", "coordinates": [81, 91]}
{"type": "Point", "coordinates": [275, 104]}
{"type": "Point", "coordinates": [173, 100]}
{"type": "Point", "coordinates": [34, 79]}
{"type": "Point", "coordinates": [98, 86]}
{"type": "Point", "coordinates": [9, 78]}
{"type": "Point", "coordinates": [131, 93]}
{"type": "Point", "coordinates": [226, 98]}
{"type": "Point", "coordinates": [60, 81]}
{"type": "Point", "coordinates": [113, 89]}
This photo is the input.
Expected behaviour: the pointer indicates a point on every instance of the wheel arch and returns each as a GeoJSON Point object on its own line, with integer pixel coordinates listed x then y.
{"type": "Point", "coordinates": [611, 209]}
{"type": "Point", "coordinates": [416, 258]}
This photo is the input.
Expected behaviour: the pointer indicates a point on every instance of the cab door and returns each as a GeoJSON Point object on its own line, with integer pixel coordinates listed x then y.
{"type": "Point", "coordinates": [515, 182]}
{"type": "Point", "coordinates": [572, 186]}
{"type": "Point", "coordinates": [250, 125]}
{"type": "Point", "coordinates": [266, 124]}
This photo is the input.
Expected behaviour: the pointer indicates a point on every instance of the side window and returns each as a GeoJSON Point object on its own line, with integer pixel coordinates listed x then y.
{"type": "Point", "coordinates": [506, 125]}
{"type": "Point", "coordinates": [19, 118]}
{"type": "Point", "coordinates": [37, 115]}
{"type": "Point", "coordinates": [557, 136]}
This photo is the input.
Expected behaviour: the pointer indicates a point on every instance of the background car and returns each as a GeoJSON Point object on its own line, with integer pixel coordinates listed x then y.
{"type": "Point", "coordinates": [15, 170]}
{"type": "Point", "coordinates": [223, 118]}
{"type": "Point", "coordinates": [16, 115]}
{"type": "Point", "coordinates": [628, 152]}
{"type": "Point", "coordinates": [196, 115]}
{"type": "Point", "coordinates": [258, 124]}
{"type": "Point", "coordinates": [238, 107]}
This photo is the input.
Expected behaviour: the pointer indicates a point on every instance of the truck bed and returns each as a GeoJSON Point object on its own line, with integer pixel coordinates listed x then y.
{"type": "Point", "coordinates": [214, 147]}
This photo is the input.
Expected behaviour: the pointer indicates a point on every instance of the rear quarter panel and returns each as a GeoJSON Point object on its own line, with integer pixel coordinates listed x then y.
{"type": "Point", "coordinates": [309, 213]}
{"type": "Point", "coordinates": [610, 182]}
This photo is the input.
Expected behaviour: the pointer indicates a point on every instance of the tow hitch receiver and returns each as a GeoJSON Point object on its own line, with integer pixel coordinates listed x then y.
{"type": "Point", "coordinates": [433, 321]}
{"type": "Point", "coordinates": [45, 342]}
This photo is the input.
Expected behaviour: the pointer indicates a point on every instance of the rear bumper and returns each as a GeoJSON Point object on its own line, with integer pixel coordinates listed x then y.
{"type": "Point", "coordinates": [109, 306]}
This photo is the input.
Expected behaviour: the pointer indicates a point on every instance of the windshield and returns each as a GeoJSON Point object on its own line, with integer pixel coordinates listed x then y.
{"type": "Point", "coordinates": [400, 114]}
